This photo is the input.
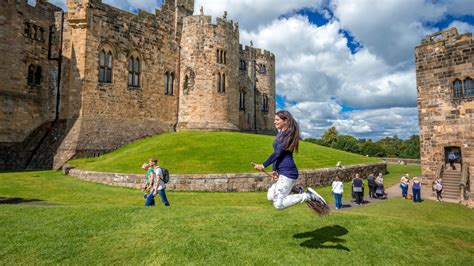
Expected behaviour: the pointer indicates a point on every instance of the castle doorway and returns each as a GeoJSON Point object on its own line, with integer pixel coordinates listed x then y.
{"type": "Point", "coordinates": [452, 158]}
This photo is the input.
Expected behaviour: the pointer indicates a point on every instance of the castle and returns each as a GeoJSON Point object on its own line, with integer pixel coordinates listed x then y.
{"type": "Point", "coordinates": [95, 78]}
{"type": "Point", "coordinates": [445, 87]}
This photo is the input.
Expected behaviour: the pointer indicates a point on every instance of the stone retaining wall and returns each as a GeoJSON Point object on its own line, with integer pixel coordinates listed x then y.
{"type": "Point", "coordinates": [401, 160]}
{"type": "Point", "coordinates": [230, 182]}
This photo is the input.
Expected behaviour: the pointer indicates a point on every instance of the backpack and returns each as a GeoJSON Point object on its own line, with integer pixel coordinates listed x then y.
{"type": "Point", "coordinates": [165, 175]}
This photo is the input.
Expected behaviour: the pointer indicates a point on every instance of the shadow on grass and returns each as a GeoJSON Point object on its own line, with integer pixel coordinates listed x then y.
{"type": "Point", "coordinates": [322, 235]}
{"type": "Point", "coordinates": [16, 200]}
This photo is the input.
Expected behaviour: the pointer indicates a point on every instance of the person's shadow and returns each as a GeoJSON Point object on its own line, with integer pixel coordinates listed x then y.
{"type": "Point", "coordinates": [320, 236]}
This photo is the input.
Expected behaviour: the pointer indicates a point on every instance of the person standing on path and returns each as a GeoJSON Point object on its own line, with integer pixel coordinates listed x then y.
{"type": "Point", "coordinates": [404, 181]}
{"type": "Point", "coordinates": [358, 188]}
{"type": "Point", "coordinates": [416, 189]}
{"type": "Point", "coordinates": [372, 185]}
{"type": "Point", "coordinates": [286, 142]}
{"type": "Point", "coordinates": [337, 190]}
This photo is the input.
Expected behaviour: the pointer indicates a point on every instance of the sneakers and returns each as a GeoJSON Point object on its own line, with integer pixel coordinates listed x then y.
{"type": "Point", "coordinates": [314, 196]}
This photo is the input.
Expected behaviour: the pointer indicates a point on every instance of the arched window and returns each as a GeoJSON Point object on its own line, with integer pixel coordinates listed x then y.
{"type": "Point", "coordinates": [242, 101]}
{"type": "Point", "coordinates": [31, 74]}
{"type": "Point", "coordinates": [38, 75]}
{"type": "Point", "coordinates": [223, 83]}
{"type": "Point", "coordinates": [218, 55]}
{"type": "Point", "coordinates": [457, 88]}
{"type": "Point", "coordinates": [468, 87]}
{"type": "Point", "coordinates": [218, 82]}
{"type": "Point", "coordinates": [264, 103]}
{"type": "Point", "coordinates": [242, 65]}
{"type": "Point", "coordinates": [134, 72]}
{"type": "Point", "coordinates": [225, 57]}
{"type": "Point", "coordinates": [221, 57]}
{"type": "Point", "coordinates": [105, 66]}
{"type": "Point", "coordinates": [34, 74]}
{"type": "Point", "coordinates": [167, 82]}
{"type": "Point", "coordinates": [262, 69]}
{"type": "Point", "coordinates": [171, 84]}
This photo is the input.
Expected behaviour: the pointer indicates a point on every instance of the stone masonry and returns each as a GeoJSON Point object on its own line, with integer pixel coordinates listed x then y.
{"type": "Point", "coordinates": [446, 118]}
{"type": "Point", "coordinates": [59, 100]}
{"type": "Point", "coordinates": [231, 182]}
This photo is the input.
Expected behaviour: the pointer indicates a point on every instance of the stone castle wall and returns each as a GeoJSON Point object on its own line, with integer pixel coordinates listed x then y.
{"type": "Point", "coordinates": [444, 120]}
{"type": "Point", "coordinates": [94, 117]}
{"type": "Point", "coordinates": [26, 41]}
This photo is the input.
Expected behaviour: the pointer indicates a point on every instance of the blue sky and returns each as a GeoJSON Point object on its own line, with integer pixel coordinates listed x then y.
{"type": "Point", "coordinates": [342, 63]}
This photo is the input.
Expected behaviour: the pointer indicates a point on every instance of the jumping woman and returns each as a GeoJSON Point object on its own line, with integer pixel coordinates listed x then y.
{"type": "Point", "coordinates": [286, 142]}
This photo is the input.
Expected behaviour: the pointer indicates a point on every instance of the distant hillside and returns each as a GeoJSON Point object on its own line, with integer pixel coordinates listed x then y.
{"type": "Point", "coordinates": [211, 152]}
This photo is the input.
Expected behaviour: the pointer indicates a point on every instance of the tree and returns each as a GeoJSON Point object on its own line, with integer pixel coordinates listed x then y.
{"type": "Point", "coordinates": [373, 149]}
{"type": "Point", "coordinates": [330, 136]}
{"type": "Point", "coordinates": [346, 143]}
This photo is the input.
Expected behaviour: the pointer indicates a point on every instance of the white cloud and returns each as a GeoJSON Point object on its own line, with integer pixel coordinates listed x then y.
{"type": "Point", "coordinates": [379, 123]}
{"type": "Point", "coordinates": [390, 29]}
{"type": "Point", "coordinates": [462, 27]}
{"type": "Point", "coordinates": [252, 14]}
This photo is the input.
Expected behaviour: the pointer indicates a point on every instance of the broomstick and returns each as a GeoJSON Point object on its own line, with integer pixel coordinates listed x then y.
{"type": "Point", "coordinates": [319, 207]}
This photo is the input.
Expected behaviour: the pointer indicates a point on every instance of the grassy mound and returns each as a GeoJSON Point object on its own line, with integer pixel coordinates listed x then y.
{"type": "Point", "coordinates": [98, 224]}
{"type": "Point", "coordinates": [210, 152]}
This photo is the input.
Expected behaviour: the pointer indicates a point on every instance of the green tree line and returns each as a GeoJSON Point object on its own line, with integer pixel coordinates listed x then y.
{"type": "Point", "coordinates": [386, 147]}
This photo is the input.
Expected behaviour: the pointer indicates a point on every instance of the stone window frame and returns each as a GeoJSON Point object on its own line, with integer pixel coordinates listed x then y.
{"type": "Point", "coordinates": [134, 69]}
{"type": "Point", "coordinates": [242, 65]}
{"type": "Point", "coordinates": [34, 75]}
{"type": "Point", "coordinates": [242, 95]}
{"type": "Point", "coordinates": [169, 82]}
{"type": "Point", "coordinates": [108, 65]}
{"type": "Point", "coordinates": [265, 103]}
{"type": "Point", "coordinates": [459, 93]}
{"type": "Point", "coordinates": [34, 31]}
{"type": "Point", "coordinates": [262, 68]}
{"type": "Point", "coordinates": [221, 56]}
{"type": "Point", "coordinates": [471, 89]}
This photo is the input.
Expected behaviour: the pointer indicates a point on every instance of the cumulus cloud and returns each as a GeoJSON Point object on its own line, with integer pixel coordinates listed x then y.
{"type": "Point", "coordinates": [252, 14]}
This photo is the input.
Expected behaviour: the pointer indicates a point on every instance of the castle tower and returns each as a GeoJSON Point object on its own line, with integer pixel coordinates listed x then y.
{"type": "Point", "coordinates": [265, 91]}
{"type": "Point", "coordinates": [444, 77]}
{"type": "Point", "coordinates": [209, 75]}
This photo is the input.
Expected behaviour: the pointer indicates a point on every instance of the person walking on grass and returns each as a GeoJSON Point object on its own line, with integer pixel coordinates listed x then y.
{"type": "Point", "coordinates": [286, 142]}
{"type": "Point", "coordinates": [358, 188]}
{"type": "Point", "coordinates": [416, 189]}
{"type": "Point", "coordinates": [158, 186]}
{"type": "Point", "coordinates": [149, 174]}
{"type": "Point", "coordinates": [337, 190]}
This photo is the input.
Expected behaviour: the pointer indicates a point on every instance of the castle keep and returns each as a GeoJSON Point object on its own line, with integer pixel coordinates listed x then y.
{"type": "Point", "coordinates": [95, 78]}
{"type": "Point", "coordinates": [444, 77]}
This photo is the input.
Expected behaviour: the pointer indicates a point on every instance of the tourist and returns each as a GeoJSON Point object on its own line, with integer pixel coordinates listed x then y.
{"type": "Point", "coordinates": [146, 185]}
{"type": "Point", "coordinates": [438, 188]}
{"type": "Point", "coordinates": [358, 188]}
{"type": "Point", "coordinates": [337, 190]}
{"type": "Point", "coordinates": [158, 186]}
{"type": "Point", "coordinates": [372, 185]}
{"type": "Point", "coordinates": [286, 142]}
{"type": "Point", "coordinates": [404, 181]}
{"type": "Point", "coordinates": [379, 190]}
{"type": "Point", "coordinates": [451, 159]}
{"type": "Point", "coordinates": [416, 188]}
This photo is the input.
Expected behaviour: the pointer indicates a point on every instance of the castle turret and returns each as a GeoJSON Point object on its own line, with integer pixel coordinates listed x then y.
{"type": "Point", "coordinates": [209, 75]}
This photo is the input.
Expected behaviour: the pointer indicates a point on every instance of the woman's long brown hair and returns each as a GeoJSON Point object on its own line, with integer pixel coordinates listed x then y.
{"type": "Point", "coordinates": [291, 135]}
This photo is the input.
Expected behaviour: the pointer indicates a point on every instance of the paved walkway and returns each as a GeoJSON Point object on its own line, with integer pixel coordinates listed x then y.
{"type": "Point", "coordinates": [392, 192]}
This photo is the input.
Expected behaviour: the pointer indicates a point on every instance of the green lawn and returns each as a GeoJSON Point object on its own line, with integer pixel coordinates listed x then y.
{"type": "Point", "coordinates": [210, 152]}
{"type": "Point", "coordinates": [98, 224]}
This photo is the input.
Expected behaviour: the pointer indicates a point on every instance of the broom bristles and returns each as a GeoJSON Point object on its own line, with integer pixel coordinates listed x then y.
{"type": "Point", "coordinates": [319, 207]}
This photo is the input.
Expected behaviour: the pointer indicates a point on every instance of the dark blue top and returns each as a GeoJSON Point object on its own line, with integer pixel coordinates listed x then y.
{"type": "Point", "coordinates": [282, 160]}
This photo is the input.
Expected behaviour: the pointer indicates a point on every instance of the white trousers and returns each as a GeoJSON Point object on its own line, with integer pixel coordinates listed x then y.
{"type": "Point", "coordinates": [280, 191]}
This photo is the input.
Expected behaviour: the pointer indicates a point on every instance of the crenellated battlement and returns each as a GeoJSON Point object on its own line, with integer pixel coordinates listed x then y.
{"type": "Point", "coordinates": [445, 37]}
{"type": "Point", "coordinates": [259, 53]}
{"type": "Point", "coordinates": [206, 21]}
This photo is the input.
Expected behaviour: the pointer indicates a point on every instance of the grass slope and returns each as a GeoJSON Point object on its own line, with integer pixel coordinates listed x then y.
{"type": "Point", "coordinates": [97, 224]}
{"type": "Point", "coordinates": [210, 152]}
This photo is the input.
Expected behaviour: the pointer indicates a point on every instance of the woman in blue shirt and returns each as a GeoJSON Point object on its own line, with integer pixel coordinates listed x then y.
{"type": "Point", "coordinates": [286, 142]}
